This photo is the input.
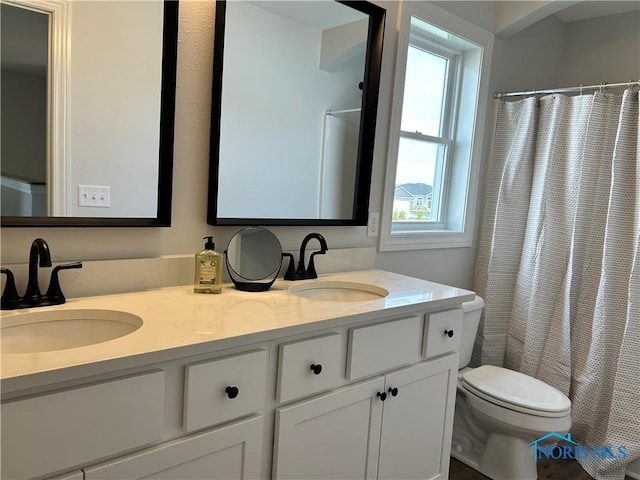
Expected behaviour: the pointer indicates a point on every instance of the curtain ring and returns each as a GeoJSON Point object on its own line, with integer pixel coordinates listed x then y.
{"type": "Point", "coordinates": [603, 85]}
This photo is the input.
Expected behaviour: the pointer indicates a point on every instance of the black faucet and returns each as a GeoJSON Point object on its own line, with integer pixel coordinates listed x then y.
{"type": "Point", "coordinates": [309, 272]}
{"type": "Point", "coordinates": [39, 250]}
{"type": "Point", "coordinates": [39, 255]}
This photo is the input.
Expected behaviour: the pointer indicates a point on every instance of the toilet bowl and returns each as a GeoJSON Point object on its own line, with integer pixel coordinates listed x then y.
{"type": "Point", "coordinates": [500, 412]}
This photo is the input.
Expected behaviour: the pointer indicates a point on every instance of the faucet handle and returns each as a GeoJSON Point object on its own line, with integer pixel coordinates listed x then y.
{"type": "Point", "coordinates": [290, 274]}
{"type": "Point", "coordinates": [311, 269]}
{"type": "Point", "coordinates": [54, 293]}
{"type": "Point", "coordinates": [10, 297]}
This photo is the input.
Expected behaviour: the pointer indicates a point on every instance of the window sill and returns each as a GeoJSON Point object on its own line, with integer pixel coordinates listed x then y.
{"type": "Point", "coordinates": [424, 240]}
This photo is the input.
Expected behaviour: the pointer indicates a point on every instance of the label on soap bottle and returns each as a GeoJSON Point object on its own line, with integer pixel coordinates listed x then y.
{"type": "Point", "coordinates": [208, 272]}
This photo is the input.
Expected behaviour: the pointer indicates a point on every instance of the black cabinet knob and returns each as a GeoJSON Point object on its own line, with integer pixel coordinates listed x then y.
{"type": "Point", "coordinates": [232, 392]}
{"type": "Point", "coordinates": [449, 333]}
{"type": "Point", "coordinates": [393, 391]}
{"type": "Point", "coordinates": [316, 367]}
{"type": "Point", "coordinates": [382, 396]}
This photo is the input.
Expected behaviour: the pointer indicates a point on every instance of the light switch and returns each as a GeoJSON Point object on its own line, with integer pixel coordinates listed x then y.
{"type": "Point", "coordinates": [93, 196]}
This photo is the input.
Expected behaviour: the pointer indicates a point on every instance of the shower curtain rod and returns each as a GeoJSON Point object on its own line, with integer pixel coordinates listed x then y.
{"type": "Point", "coordinates": [581, 88]}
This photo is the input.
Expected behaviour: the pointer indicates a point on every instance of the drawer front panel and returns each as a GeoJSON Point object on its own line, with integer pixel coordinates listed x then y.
{"type": "Point", "coordinates": [220, 390]}
{"type": "Point", "coordinates": [309, 366]}
{"type": "Point", "coordinates": [77, 475]}
{"type": "Point", "coordinates": [378, 348]}
{"type": "Point", "coordinates": [230, 451]}
{"type": "Point", "coordinates": [77, 426]}
{"type": "Point", "coordinates": [443, 332]}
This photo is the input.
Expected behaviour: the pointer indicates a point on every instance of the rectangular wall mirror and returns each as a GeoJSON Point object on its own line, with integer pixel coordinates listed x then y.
{"type": "Point", "coordinates": [294, 105]}
{"type": "Point", "coordinates": [88, 106]}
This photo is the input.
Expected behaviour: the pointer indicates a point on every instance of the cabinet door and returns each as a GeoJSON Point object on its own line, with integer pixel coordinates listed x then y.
{"type": "Point", "coordinates": [418, 420]}
{"type": "Point", "coordinates": [230, 452]}
{"type": "Point", "coordinates": [334, 436]}
{"type": "Point", "coordinates": [73, 427]}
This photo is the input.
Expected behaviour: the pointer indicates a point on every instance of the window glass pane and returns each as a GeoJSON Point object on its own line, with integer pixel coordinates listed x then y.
{"type": "Point", "coordinates": [419, 180]}
{"type": "Point", "coordinates": [424, 91]}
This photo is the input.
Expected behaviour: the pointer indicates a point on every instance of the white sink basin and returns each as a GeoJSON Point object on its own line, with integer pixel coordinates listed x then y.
{"type": "Point", "coordinates": [339, 291]}
{"type": "Point", "coordinates": [47, 331]}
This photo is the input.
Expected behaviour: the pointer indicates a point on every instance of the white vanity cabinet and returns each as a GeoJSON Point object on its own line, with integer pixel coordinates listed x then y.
{"type": "Point", "coordinates": [359, 396]}
{"type": "Point", "coordinates": [395, 425]}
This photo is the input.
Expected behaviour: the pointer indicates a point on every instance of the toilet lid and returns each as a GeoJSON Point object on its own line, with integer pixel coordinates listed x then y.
{"type": "Point", "coordinates": [517, 389]}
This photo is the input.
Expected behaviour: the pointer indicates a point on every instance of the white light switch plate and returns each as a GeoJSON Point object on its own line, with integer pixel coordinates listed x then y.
{"type": "Point", "coordinates": [372, 225]}
{"type": "Point", "coordinates": [93, 196]}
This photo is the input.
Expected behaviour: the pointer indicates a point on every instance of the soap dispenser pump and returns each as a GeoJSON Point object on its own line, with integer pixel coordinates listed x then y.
{"type": "Point", "coordinates": [208, 269]}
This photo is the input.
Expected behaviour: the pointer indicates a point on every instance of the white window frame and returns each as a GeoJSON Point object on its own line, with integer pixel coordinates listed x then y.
{"type": "Point", "coordinates": [460, 189]}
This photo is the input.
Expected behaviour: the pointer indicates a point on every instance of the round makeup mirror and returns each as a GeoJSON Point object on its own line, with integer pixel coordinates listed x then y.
{"type": "Point", "coordinates": [254, 258]}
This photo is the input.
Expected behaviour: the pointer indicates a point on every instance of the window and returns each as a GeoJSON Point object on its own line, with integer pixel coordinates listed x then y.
{"type": "Point", "coordinates": [441, 91]}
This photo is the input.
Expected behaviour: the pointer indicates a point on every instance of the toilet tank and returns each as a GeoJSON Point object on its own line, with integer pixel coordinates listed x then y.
{"type": "Point", "coordinates": [470, 320]}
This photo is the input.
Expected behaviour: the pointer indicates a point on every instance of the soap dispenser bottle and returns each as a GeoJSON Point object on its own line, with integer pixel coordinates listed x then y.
{"type": "Point", "coordinates": [208, 269]}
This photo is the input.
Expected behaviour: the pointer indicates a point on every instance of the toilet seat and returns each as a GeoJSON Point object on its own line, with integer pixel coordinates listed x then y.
{"type": "Point", "coordinates": [516, 391]}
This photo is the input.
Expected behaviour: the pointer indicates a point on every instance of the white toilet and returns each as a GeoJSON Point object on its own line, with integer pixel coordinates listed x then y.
{"type": "Point", "coordinates": [499, 412]}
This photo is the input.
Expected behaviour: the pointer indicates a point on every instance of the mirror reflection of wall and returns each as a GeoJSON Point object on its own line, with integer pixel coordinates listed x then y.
{"type": "Point", "coordinates": [286, 64]}
{"type": "Point", "coordinates": [116, 65]}
{"type": "Point", "coordinates": [92, 128]}
{"type": "Point", "coordinates": [23, 122]}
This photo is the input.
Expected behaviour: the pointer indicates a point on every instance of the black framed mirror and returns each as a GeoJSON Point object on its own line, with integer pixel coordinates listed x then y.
{"type": "Point", "coordinates": [294, 106]}
{"type": "Point", "coordinates": [107, 150]}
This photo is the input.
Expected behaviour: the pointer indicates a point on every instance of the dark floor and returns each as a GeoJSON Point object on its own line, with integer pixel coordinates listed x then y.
{"type": "Point", "coordinates": [548, 469]}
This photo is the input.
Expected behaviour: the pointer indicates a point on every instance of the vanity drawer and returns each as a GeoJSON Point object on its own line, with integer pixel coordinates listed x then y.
{"type": "Point", "coordinates": [224, 389]}
{"type": "Point", "coordinates": [59, 430]}
{"type": "Point", "coordinates": [442, 332]}
{"type": "Point", "coordinates": [309, 366]}
{"type": "Point", "coordinates": [378, 348]}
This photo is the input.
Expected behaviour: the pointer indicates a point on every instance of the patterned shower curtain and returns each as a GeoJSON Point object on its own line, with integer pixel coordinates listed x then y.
{"type": "Point", "coordinates": [559, 260]}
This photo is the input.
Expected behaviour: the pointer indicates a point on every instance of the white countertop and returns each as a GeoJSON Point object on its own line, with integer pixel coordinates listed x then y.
{"type": "Point", "coordinates": [178, 322]}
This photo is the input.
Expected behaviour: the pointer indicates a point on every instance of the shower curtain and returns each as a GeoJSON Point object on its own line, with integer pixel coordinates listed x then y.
{"type": "Point", "coordinates": [559, 261]}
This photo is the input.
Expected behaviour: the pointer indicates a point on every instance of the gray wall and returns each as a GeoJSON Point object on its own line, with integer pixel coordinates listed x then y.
{"type": "Point", "coordinates": [191, 166]}
{"type": "Point", "coordinates": [536, 57]}
{"type": "Point", "coordinates": [605, 49]}
{"type": "Point", "coordinates": [24, 129]}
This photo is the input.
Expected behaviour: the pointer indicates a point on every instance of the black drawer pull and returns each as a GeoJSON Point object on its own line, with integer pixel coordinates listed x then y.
{"type": "Point", "coordinates": [317, 368]}
{"type": "Point", "coordinates": [393, 391]}
{"type": "Point", "coordinates": [232, 392]}
{"type": "Point", "coordinates": [382, 396]}
{"type": "Point", "coordinates": [449, 333]}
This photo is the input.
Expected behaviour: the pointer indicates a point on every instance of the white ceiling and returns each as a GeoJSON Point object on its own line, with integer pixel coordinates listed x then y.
{"type": "Point", "coordinates": [594, 8]}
